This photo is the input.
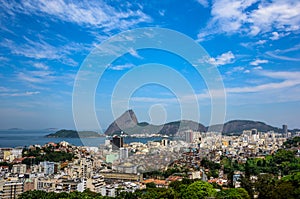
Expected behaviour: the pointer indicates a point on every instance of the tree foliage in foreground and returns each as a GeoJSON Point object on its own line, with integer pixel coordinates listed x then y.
{"type": "Point", "coordinates": [268, 186]}
{"type": "Point", "coordinates": [187, 189]}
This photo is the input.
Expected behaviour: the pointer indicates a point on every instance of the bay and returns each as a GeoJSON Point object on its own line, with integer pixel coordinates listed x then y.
{"type": "Point", "coordinates": [21, 138]}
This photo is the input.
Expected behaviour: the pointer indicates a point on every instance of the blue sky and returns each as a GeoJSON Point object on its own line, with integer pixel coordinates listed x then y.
{"type": "Point", "coordinates": [254, 44]}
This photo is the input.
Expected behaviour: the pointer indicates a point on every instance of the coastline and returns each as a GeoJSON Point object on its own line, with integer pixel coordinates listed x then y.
{"type": "Point", "coordinates": [12, 139]}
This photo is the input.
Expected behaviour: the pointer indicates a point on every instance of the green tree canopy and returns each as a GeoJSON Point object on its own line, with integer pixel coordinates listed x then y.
{"type": "Point", "coordinates": [199, 190]}
{"type": "Point", "coordinates": [238, 193]}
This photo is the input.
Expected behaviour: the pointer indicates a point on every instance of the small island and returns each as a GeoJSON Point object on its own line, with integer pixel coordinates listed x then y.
{"type": "Point", "coordinates": [15, 129]}
{"type": "Point", "coordinates": [74, 134]}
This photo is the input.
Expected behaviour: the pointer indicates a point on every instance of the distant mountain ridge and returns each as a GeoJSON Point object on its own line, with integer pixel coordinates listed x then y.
{"type": "Point", "coordinates": [129, 124]}
{"type": "Point", "coordinates": [238, 126]}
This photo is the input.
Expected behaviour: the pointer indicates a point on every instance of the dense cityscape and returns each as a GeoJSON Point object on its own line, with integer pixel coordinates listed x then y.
{"type": "Point", "coordinates": [252, 165]}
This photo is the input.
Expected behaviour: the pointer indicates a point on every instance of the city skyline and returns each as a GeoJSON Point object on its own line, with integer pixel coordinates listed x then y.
{"type": "Point", "coordinates": [253, 44]}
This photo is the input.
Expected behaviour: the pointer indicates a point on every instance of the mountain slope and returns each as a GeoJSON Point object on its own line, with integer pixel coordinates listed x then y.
{"type": "Point", "coordinates": [125, 121]}
{"type": "Point", "coordinates": [129, 124]}
{"type": "Point", "coordinates": [238, 126]}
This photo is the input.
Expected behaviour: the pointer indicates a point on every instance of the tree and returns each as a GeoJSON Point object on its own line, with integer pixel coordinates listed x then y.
{"type": "Point", "coordinates": [265, 186]}
{"type": "Point", "coordinates": [127, 195]}
{"type": "Point", "coordinates": [284, 190]}
{"type": "Point", "coordinates": [284, 156]}
{"type": "Point", "coordinates": [150, 185]}
{"type": "Point", "coordinates": [199, 190]}
{"type": "Point", "coordinates": [233, 193]}
{"type": "Point", "coordinates": [37, 194]}
{"type": "Point", "coordinates": [247, 185]}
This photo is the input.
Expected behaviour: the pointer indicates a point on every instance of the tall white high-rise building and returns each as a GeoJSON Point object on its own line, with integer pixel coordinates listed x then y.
{"type": "Point", "coordinates": [189, 136]}
{"type": "Point", "coordinates": [47, 167]}
{"type": "Point", "coordinates": [123, 153]}
{"type": "Point", "coordinates": [164, 142]}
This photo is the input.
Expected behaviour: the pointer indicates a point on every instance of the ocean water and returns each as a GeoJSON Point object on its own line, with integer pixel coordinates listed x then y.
{"type": "Point", "coordinates": [21, 138]}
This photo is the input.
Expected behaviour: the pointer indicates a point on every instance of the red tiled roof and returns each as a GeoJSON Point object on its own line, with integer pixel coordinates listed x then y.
{"type": "Point", "coordinates": [157, 182]}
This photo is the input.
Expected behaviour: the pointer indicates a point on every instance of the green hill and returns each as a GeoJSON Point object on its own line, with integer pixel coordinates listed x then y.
{"type": "Point", "coordinates": [73, 134]}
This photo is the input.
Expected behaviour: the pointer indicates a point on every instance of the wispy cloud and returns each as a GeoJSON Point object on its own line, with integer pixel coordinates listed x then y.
{"type": "Point", "coordinates": [237, 69]}
{"type": "Point", "coordinates": [12, 92]}
{"type": "Point", "coordinates": [222, 59]}
{"type": "Point", "coordinates": [5, 89]}
{"type": "Point", "coordinates": [36, 76]}
{"type": "Point", "coordinates": [134, 53]}
{"type": "Point", "coordinates": [154, 100]}
{"type": "Point", "coordinates": [96, 14]}
{"type": "Point", "coordinates": [3, 58]}
{"type": "Point", "coordinates": [258, 62]}
{"type": "Point", "coordinates": [281, 57]}
{"type": "Point", "coordinates": [162, 12]}
{"type": "Point", "coordinates": [96, 17]}
{"type": "Point", "coordinates": [43, 50]}
{"type": "Point", "coordinates": [256, 44]}
{"type": "Point", "coordinates": [292, 49]}
{"type": "Point", "coordinates": [283, 54]}
{"type": "Point", "coordinates": [281, 74]}
{"type": "Point", "coordinates": [21, 94]}
{"type": "Point", "coordinates": [204, 3]}
{"type": "Point", "coordinates": [264, 87]}
{"type": "Point", "coordinates": [121, 67]}
{"type": "Point", "coordinates": [234, 16]}
{"type": "Point", "coordinates": [261, 42]}
{"type": "Point", "coordinates": [289, 79]}
{"type": "Point", "coordinates": [257, 68]}
{"type": "Point", "coordinates": [40, 66]}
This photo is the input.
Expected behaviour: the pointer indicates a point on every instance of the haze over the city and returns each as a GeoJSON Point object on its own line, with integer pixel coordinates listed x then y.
{"type": "Point", "coordinates": [254, 44]}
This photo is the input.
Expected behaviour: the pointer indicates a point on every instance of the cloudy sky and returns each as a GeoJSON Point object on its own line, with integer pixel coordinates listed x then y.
{"type": "Point", "coordinates": [255, 45]}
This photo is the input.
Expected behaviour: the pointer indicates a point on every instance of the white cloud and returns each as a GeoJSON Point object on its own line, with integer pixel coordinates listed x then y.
{"type": "Point", "coordinates": [240, 16]}
{"type": "Point", "coordinates": [275, 36]}
{"type": "Point", "coordinates": [235, 69]}
{"type": "Point", "coordinates": [281, 15]}
{"type": "Point", "coordinates": [36, 76]}
{"type": "Point", "coordinates": [258, 68]}
{"type": "Point", "coordinates": [121, 67]}
{"type": "Point", "coordinates": [27, 93]}
{"type": "Point", "coordinates": [134, 53]}
{"type": "Point", "coordinates": [154, 100]}
{"type": "Point", "coordinates": [5, 89]}
{"type": "Point", "coordinates": [227, 16]}
{"type": "Point", "coordinates": [253, 44]}
{"type": "Point", "coordinates": [3, 59]}
{"type": "Point", "coordinates": [40, 66]}
{"type": "Point", "coordinates": [96, 14]}
{"type": "Point", "coordinates": [162, 12]}
{"type": "Point", "coordinates": [292, 49]}
{"type": "Point", "coordinates": [258, 61]}
{"type": "Point", "coordinates": [264, 87]}
{"type": "Point", "coordinates": [289, 79]}
{"type": "Point", "coordinates": [204, 3]}
{"type": "Point", "coordinates": [43, 50]}
{"type": "Point", "coordinates": [280, 53]}
{"type": "Point", "coordinates": [261, 42]}
{"type": "Point", "coordinates": [238, 68]}
{"type": "Point", "coordinates": [281, 57]}
{"type": "Point", "coordinates": [281, 74]}
{"type": "Point", "coordinates": [223, 59]}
